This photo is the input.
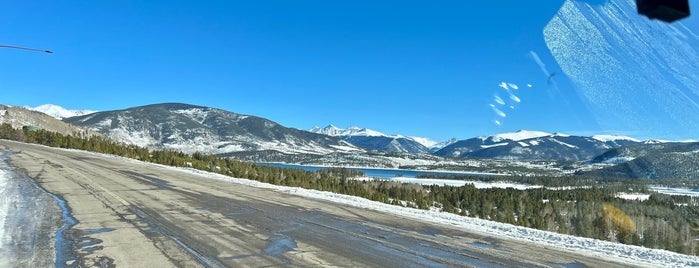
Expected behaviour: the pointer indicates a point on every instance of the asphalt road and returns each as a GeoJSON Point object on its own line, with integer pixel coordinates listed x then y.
{"type": "Point", "coordinates": [134, 214]}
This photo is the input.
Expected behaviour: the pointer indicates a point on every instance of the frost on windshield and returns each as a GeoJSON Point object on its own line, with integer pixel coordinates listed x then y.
{"type": "Point", "coordinates": [635, 74]}
{"type": "Point", "coordinates": [500, 103]}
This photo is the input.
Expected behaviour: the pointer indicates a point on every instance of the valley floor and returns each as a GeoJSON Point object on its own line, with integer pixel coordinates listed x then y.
{"type": "Point", "coordinates": [132, 214]}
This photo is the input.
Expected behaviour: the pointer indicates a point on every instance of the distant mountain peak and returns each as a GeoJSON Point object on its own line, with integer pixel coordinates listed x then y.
{"type": "Point", "coordinates": [518, 135]}
{"type": "Point", "coordinates": [58, 112]}
{"type": "Point", "coordinates": [605, 138]}
{"type": "Point", "coordinates": [372, 139]}
{"type": "Point", "coordinates": [332, 130]}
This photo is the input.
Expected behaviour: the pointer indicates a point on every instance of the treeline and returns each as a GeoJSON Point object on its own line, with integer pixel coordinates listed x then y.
{"type": "Point", "coordinates": [662, 221]}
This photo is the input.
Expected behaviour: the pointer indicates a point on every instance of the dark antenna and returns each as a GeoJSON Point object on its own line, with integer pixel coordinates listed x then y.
{"type": "Point", "coordinates": [26, 48]}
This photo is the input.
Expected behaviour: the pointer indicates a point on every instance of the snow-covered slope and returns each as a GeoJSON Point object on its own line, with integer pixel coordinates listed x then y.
{"type": "Point", "coordinates": [427, 142]}
{"type": "Point", "coordinates": [606, 138]}
{"type": "Point", "coordinates": [438, 146]}
{"type": "Point", "coordinates": [516, 136]}
{"type": "Point", "coordinates": [190, 128]}
{"type": "Point", "coordinates": [332, 130]}
{"type": "Point", "coordinates": [58, 112]}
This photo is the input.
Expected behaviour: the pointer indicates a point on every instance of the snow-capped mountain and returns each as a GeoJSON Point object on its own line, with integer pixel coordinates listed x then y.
{"type": "Point", "coordinates": [515, 136]}
{"type": "Point", "coordinates": [606, 138]}
{"type": "Point", "coordinates": [535, 145]}
{"type": "Point", "coordinates": [58, 112]}
{"type": "Point", "coordinates": [190, 128]}
{"type": "Point", "coordinates": [19, 117]}
{"type": "Point", "coordinates": [331, 130]}
{"type": "Point", "coordinates": [375, 140]}
{"type": "Point", "coordinates": [438, 146]}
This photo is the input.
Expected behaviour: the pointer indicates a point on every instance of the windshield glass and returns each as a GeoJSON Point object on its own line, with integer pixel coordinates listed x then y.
{"type": "Point", "coordinates": [636, 75]}
{"type": "Point", "coordinates": [356, 133]}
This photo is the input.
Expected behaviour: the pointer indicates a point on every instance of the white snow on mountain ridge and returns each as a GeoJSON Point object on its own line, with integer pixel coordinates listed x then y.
{"type": "Point", "coordinates": [355, 131]}
{"type": "Point", "coordinates": [331, 130]}
{"type": "Point", "coordinates": [517, 136]}
{"type": "Point", "coordinates": [58, 112]}
{"type": "Point", "coordinates": [427, 142]}
{"type": "Point", "coordinates": [494, 145]}
{"type": "Point", "coordinates": [443, 144]}
{"type": "Point", "coordinates": [606, 138]}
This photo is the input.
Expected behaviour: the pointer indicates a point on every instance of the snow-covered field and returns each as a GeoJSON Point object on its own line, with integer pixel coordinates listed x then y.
{"type": "Point", "coordinates": [633, 196]}
{"type": "Point", "coordinates": [675, 191]}
{"type": "Point", "coordinates": [458, 183]}
{"type": "Point", "coordinates": [633, 255]}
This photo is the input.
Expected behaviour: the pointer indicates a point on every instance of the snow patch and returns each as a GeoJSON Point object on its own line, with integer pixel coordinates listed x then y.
{"type": "Point", "coordinates": [138, 138]}
{"type": "Point", "coordinates": [494, 145]}
{"type": "Point", "coordinates": [105, 123]}
{"type": "Point", "coordinates": [619, 160]}
{"type": "Point", "coordinates": [607, 138]}
{"type": "Point", "coordinates": [196, 114]}
{"type": "Point", "coordinates": [345, 148]}
{"type": "Point", "coordinates": [675, 191]}
{"type": "Point", "coordinates": [427, 142]}
{"type": "Point", "coordinates": [477, 184]}
{"type": "Point", "coordinates": [633, 196]}
{"type": "Point", "coordinates": [331, 130]}
{"type": "Point", "coordinates": [563, 143]}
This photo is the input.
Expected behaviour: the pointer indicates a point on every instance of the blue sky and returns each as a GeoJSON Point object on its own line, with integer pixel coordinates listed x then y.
{"type": "Point", "coordinates": [400, 67]}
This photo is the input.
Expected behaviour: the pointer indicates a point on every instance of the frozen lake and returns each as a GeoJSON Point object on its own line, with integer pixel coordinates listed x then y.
{"type": "Point", "coordinates": [383, 173]}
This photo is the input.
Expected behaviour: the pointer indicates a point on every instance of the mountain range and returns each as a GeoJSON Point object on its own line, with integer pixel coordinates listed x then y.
{"type": "Point", "coordinates": [374, 140]}
{"type": "Point", "coordinates": [192, 128]}
{"type": "Point", "coordinates": [535, 145]}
